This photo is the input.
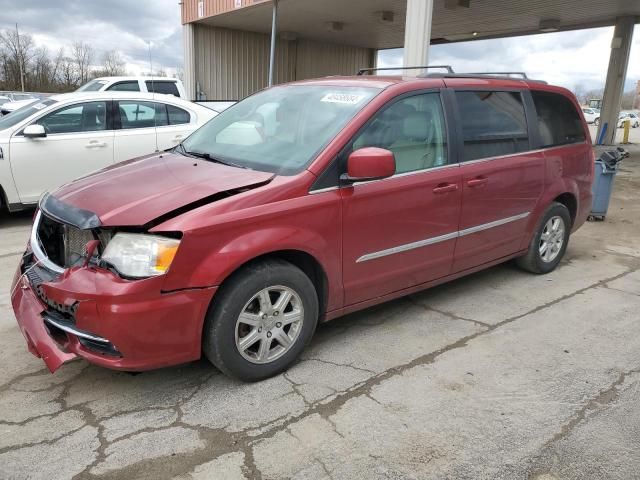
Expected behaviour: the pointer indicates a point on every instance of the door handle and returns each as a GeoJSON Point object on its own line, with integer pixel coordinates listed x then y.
{"type": "Point", "coordinates": [445, 188]}
{"type": "Point", "coordinates": [95, 144]}
{"type": "Point", "coordinates": [477, 182]}
{"type": "Point", "coordinates": [178, 138]}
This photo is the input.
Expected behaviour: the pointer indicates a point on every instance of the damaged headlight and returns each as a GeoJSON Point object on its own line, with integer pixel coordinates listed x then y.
{"type": "Point", "coordinates": [140, 255]}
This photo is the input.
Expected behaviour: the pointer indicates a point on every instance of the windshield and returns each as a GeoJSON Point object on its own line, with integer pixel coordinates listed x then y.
{"type": "Point", "coordinates": [279, 130]}
{"type": "Point", "coordinates": [23, 113]}
{"type": "Point", "coordinates": [92, 86]}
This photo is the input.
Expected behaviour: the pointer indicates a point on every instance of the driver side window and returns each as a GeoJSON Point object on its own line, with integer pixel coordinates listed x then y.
{"type": "Point", "coordinates": [84, 117]}
{"type": "Point", "coordinates": [413, 129]}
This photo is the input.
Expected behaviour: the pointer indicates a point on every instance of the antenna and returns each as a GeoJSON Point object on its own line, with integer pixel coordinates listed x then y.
{"type": "Point", "coordinates": [153, 96]}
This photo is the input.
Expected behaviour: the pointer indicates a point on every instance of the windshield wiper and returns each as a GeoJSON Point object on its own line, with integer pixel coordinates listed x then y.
{"type": "Point", "coordinates": [208, 157]}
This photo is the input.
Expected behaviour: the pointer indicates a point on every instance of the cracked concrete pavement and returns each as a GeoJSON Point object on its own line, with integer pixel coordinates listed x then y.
{"type": "Point", "coordinates": [501, 374]}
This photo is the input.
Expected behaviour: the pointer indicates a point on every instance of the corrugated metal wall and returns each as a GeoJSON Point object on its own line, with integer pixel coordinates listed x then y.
{"type": "Point", "coordinates": [316, 59]}
{"type": "Point", "coordinates": [232, 64]}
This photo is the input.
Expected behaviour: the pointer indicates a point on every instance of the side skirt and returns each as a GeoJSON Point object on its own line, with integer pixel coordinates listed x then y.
{"type": "Point", "coordinates": [333, 314]}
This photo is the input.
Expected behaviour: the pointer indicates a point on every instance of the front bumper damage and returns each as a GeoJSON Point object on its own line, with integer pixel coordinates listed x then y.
{"type": "Point", "coordinates": [112, 322]}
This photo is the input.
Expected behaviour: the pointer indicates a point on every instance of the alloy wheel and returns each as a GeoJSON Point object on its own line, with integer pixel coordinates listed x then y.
{"type": "Point", "coordinates": [552, 239]}
{"type": "Point", "coordinates": [269, 324]}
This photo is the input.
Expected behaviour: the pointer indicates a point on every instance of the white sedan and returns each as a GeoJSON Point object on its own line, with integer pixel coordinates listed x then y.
{"type": "Point", "coordinates": [591, 115]}
{"type": "Point", "coordinates": [50, 142]}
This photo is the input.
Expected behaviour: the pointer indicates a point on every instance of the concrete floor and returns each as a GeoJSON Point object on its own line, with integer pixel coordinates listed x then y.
{"type": "Point", "coordinates": [502, 374]}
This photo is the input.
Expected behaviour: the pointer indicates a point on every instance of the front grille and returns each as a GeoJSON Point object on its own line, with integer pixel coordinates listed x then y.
{"type": "Point", "coordinates": [75, 241]}
{"type": "Point", "coordinates": [65, 244]}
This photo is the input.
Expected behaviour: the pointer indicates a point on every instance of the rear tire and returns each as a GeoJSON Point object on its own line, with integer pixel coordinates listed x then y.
{"type": "Point", "coordinates": [549, 242]}
{"type": "Point", "coordinates": [596, 122]}
{"type": "Point", "coordinates": [261, 320]}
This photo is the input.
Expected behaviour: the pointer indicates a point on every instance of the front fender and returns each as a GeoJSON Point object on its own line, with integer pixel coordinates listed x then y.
{"type": "Point", "coordinates": [6, 177]}
{"type": "Point", "coordinates": [312, 225]}
{"type": "Point", "coordinates": [218, 265]}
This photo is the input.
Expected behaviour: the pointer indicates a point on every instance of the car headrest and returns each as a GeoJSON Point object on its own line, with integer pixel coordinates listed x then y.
{"type": "Point", "coordinates": [417, 126]}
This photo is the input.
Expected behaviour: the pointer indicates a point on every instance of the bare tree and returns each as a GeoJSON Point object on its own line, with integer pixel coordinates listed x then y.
{"type": "Point", "coordinates": [67, 73]}
{"type": "Point", "coordinates": [82, 55]}
{"type": "Point", "coordinates": [627, 99]}
{"type": "Point", "coordinates": [19, 50]}
{"type": "Point", "coordinates": [113, 65]}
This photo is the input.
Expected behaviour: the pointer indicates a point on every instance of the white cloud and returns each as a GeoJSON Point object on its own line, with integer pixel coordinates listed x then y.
{"type": "Point", "coordinates": [124, 25]}
{"type": "Point", "coordinates": [577, 58]}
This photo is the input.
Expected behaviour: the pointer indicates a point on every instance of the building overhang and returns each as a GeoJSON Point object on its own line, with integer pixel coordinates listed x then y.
{"type": "Point", "coordinates": [380, 23]}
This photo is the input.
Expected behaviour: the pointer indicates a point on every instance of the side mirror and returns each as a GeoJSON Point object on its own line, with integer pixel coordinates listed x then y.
{"type": "Point", "coordinates": [370, 163]}
{"type": "Point", "coordinates": [34, 131]}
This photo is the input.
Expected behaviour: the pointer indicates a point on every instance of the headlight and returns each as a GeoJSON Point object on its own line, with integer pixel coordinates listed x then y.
{"type": "Point", "coordinates": [140, 255]}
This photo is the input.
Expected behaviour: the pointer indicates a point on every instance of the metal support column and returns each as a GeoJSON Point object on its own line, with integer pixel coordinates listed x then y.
{"type": "Point", "coordinates": [616, 75]}
{"type": "Point", "coordinates": [417, 33]}
{"type": "Point", "coordinates": [188, 35]}
{"type": "Point", "coordinates": [272, 53]}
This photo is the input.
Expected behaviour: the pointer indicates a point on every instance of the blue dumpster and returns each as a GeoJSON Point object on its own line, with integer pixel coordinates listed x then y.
{"type": "Point", "coordinates": [605, 173]}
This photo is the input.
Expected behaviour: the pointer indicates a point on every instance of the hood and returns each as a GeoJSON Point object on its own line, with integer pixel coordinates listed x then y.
{"type": "Point", "coordinates": [139, 191]}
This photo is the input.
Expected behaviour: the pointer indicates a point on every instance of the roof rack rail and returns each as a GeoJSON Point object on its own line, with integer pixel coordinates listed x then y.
{"type": "Point", "coordinates": [478, 75]}
{"type": "Point", "coordinates": [362, 71]}
{"type": "Point", "coordinates": [499, 74]}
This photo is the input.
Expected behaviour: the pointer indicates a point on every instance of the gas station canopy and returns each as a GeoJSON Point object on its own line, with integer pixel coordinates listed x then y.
{"type": "Point", "coordinates": [235, 47]}
{"type": "Point", "coordinates": [380, 24]}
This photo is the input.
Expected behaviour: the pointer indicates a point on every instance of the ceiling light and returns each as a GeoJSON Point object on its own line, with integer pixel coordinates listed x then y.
{"type": "Point", "coordinates": [549, 25]}
{"type": "Point", "coordinates": [456, 37]}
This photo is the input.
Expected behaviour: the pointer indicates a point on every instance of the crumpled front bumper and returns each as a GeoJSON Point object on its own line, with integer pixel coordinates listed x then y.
{"type": "Point", "coordinates": [28, 310]}
{"type": "Point", "coordinates": [146, 328]}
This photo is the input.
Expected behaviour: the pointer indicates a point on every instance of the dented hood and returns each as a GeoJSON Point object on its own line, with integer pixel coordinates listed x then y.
{"type": "Point", "coordinates": [139, 191]}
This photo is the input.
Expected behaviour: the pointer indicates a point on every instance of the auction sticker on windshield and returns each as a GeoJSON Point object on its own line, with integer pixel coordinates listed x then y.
{"type": "Point", "coordinates": [347, 98]}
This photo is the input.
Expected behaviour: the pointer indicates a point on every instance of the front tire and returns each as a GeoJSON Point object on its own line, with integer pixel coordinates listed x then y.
{"type": "Point", "coordinates": [549, 243]}
{"type": "Point", "coordinates": [596, 122]}
{"type": "Point", "coordinates": [261, 320]}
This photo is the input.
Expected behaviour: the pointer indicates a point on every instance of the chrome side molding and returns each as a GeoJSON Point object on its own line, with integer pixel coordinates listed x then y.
{"type": "Point", "coordinates": [440, 238]}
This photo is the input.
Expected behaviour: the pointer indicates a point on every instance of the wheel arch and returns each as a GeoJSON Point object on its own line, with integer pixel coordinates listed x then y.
{"type": "Point", "coordinates": [569, 200]}
{"type": "Point", "coordinates": [306, 262]}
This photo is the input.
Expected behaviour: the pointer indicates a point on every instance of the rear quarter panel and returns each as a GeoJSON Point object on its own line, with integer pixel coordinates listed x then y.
{"type": "Point", "coordinates": [568, 169]}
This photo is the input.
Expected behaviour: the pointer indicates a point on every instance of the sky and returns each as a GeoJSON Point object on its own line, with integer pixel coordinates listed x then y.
{"type": "Point", "coordinates": [572, 59]}
{"type": "Point", "coordinates": [576, 59]}
{"type": "Point", "coordinates": [125, 25]}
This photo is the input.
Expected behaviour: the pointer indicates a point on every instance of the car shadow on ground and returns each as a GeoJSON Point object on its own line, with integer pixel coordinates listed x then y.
{"type": "Point", "coordinates": [23, 218]}
{"type": "Point", "coordinates": [203, 371]}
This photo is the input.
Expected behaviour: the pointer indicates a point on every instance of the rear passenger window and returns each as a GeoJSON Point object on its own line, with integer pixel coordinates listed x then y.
{"type": "Point", "coordinates": [413, 129]}
{"type": "Point", "coordinates": [162, 86]}
{"type": "Point", "coordinates": [136, 114]}
{"type": "Point", "coordinates": [493, 124]}
{"type": "Point", "coordinates": [558, 120]}
{"type": "Point", "coordinates": [132, 86]}
{"type": "Point", "coordinates": [178, 116]}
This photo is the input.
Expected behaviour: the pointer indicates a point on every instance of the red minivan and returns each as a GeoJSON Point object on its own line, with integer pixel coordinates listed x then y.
{"type": "Point", "coordinates": [300, 204]}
